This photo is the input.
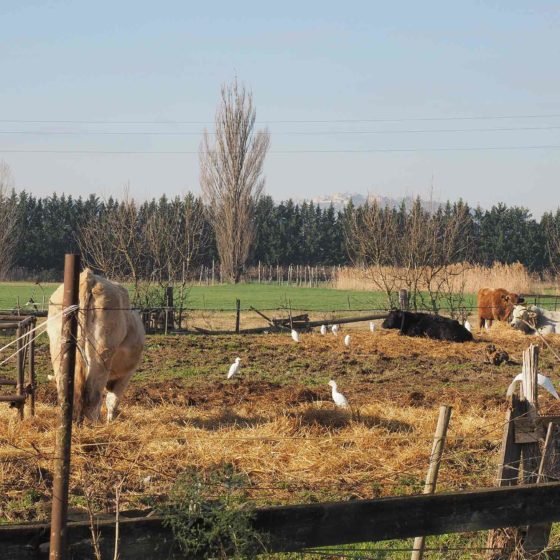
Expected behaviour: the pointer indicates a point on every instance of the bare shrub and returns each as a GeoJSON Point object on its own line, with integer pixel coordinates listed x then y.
{"type": "Point", "coordinates": [413, 249]}
{"type": "Point", "coordinates": [230, 177]}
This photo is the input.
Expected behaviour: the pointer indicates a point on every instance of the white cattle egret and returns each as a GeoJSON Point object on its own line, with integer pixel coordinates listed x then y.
{"type": "Point", "coordinates": [323, 329]}
{"type": "Point", "coordinates": [372, 326]}
{"type": "Point", "coordinates": [335, 329]}
{"type": "Point", "coordinates": [542, 380]}
{"type": "Point", "coordinates": [234, 368]}
{"type": "Point", "coordinates": [338, 398]}
{"type": "Point", "coordinates": [347, 340]}
{"type": "Point", "coordinates": [468, 326]}
{"type": "Point", "coordinates": [295, 335]}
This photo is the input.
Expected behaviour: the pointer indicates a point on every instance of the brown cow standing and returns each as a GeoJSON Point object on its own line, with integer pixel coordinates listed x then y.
{"type": "Point", "coordinates": [496, 305]}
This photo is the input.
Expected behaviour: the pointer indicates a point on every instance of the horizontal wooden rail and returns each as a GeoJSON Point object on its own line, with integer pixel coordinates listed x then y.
{"type": "Point", "coordinates": [12, 398]}
{"type": "Point", "coordinates": [293, 528]}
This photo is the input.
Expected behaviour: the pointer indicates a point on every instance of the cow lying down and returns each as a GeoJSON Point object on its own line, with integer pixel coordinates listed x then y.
{"type": "Point", "coordinates": [423, 324]}
{"type": "Point", "coordinates": [533, 319]}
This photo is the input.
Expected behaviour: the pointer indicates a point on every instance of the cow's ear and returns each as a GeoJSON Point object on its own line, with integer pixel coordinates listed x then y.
{"type": "Point", "coordinates": [532, 314]}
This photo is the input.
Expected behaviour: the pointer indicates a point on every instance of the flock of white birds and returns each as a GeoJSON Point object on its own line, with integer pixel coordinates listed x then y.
{"type": "Point", "coordinates": [341, 401]}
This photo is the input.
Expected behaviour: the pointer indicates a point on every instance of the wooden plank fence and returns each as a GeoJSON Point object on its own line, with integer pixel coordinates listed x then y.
{"type": "Point", "coordinates": [294, 528]}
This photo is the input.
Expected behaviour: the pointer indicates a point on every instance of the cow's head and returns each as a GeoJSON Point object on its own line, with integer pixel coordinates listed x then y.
{"type": "Point", "coordinates": [523, 319]}
{"type": "Point", "coordinates": [510, 300]}
{"type": "Point", "coordinates": [393, 320]}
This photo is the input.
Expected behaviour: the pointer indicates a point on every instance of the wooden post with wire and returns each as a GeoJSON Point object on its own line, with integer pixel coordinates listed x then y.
{"type": "Point", "coordinates": [433, 469]}
{"type": "Point", "coordinates": [59, 513]}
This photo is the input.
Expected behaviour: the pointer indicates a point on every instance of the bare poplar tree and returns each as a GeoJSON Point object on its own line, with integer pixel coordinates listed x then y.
{"type": "Point", "coordinates": [8, 220]}
{"type": "Point", "coordinates": [551, 223]}
{"type": "Point", "coordinates": [231, 176]}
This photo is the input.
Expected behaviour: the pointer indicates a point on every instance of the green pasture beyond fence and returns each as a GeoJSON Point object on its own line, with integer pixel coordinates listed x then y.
{"type": "Point", "coordinates": [223, 297]}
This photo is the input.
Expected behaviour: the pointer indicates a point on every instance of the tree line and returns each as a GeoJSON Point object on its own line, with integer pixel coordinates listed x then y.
{"type": "Point", "coordinates": [164, 241]}
{"type": "Point", "coordinates": [176, 230]}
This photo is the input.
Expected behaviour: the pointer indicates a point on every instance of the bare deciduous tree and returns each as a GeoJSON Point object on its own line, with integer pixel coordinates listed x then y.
{"type": "Point", "coordinates": [8, 220]}
{"type": "Point", "coordinates": [176, 235]}
{"type": "Point", "coordinates": [421, 251]}
{"type": "Point", "coordinates": [231, 176]}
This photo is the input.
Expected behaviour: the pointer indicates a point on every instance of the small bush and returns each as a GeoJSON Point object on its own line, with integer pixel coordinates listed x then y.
{"type": "Point", "coordinates": [211, 516]}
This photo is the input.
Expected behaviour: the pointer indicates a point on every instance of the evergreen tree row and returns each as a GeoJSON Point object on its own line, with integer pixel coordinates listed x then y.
{"type": "Point", "coordinates": [286, 232]}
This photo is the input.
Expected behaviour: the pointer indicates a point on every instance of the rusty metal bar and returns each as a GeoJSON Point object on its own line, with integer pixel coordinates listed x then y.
{"type": "Point", "coordinates": [20, 376]}
{"type": "Point", "coordinates": [31, 379]}
{"type": "Point", "coordinates": [59, 513]}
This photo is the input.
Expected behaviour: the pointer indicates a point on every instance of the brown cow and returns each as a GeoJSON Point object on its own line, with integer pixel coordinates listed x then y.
{"type": "Point", "coordinates": [110, 343]}
{"type": "Point", "coordinates": [496, 305]}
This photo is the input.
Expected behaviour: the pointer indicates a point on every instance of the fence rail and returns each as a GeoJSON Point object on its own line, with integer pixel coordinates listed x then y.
{"type": "Point", "coordinates": [294, 528]}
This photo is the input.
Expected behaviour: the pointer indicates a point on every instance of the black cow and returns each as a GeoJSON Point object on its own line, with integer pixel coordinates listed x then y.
{"type": "Point", "coordinates": [423, 324]}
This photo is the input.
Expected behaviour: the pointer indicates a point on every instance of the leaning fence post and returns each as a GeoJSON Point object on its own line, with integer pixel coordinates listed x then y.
{"type": "Point", "coordinates": [433, 469]}
{"type": "Point", "coordinates": [59, 512]}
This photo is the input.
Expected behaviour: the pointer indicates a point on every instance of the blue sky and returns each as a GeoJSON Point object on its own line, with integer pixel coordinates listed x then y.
{"type": "Point", "coordinates": [376, 75]}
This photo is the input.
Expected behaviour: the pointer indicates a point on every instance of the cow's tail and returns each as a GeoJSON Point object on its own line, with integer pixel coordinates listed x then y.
{"type": "Point", "coordinates": [86, 283]}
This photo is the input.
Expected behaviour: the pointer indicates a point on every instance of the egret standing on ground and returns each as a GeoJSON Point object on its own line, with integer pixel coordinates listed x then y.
{"type": "Point", "coordinates": [372, 326]}
{"type": "Point", "coordinates": [234, 368]}
{"type": "Point", "coordinates": [347, 340]}
{"type": "Point", "coordinates": [323, 329]}
{"type": "Point", "coordinates": [335, 329]}
{"type": "Point", "coordinates": [338, 398]}
{"type": "Point", "coordinates": [295, 335]}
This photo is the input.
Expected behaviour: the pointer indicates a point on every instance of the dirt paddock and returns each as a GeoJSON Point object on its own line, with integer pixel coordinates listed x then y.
{"type": "Point", "coordinates": [276, 421]}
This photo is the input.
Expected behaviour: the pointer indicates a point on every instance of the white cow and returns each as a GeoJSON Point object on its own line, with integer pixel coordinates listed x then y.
{"type": "Point", "coordinates": [110, 343]}
{"type": "Point", "coordinates": [534, 319]}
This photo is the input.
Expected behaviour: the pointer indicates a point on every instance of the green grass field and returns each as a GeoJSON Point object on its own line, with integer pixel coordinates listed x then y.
{"type": "Point", "coordinates": [222, 297]}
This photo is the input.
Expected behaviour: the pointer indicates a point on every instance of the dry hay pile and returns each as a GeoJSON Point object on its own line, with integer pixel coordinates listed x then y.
{"type": "Point", "coordinates": [288, 438]}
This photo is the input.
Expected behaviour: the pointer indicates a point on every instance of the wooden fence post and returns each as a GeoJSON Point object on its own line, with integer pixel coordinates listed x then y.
{"type": "Point", "coordinates": [433, 469]}
{"type": "Point", "coordinates": [59, 513]}
{"type": "Point", "coordinates": [237, 314]}
{"type": "Point", "coordinates": [169, 312]}
{"type": "Point", "coordinates": [403, 300]}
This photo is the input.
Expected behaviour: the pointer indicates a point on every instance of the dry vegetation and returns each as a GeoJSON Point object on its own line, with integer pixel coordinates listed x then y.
{"type": "Point", "coordinates": [275, 423]}
{"type": "Point", "coordinates": [515, 277]}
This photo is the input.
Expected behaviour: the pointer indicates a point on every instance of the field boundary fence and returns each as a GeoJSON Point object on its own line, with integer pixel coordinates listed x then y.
{"type": "Point", "coordinates": [24, 385]}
